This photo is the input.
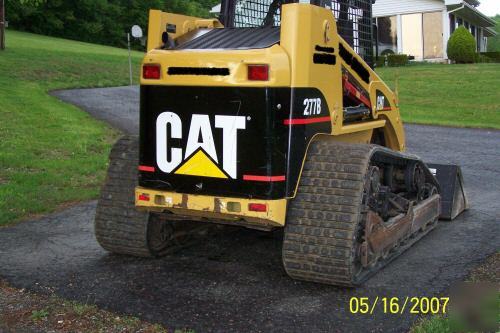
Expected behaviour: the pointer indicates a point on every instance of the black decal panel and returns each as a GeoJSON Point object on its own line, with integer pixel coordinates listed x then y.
{"type": "Point", "coordinates": [273, 129]}
{"type": "Point", "coordinates": [261, 145]}
{"type": "Point", "coordinates": [302, 129]}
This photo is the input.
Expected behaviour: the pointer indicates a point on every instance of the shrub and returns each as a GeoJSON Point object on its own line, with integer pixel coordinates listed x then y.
{"type": "Point", "coordinates": [482, 59]}
{"type": "Point", "coordinates": [492, 56]}
{"type": "Point", "coordinates": [380, 62]}
{"type": "Point", "coordinates": [387, 52]}
{"type": "Point", "coordinates": [394, 60]}
{"type": "Point", "coordinates": [462, 46]}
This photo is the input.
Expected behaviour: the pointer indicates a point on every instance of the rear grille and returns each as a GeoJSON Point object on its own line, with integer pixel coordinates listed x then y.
{"type": "Point", "coordinates": [210, 71]}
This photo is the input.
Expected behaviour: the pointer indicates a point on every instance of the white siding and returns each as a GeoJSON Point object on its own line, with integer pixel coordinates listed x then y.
{"type": "Point", "coordinates": [446, 32]}
{"type": "Point", "coordinates": [392, 7]}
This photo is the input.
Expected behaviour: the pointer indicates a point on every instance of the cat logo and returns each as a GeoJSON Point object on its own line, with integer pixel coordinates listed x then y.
{"type": "Point", "coordinates": [200, 156]}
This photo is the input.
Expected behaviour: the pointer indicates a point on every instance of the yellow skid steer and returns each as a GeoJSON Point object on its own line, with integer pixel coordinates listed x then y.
{"type": "Point", "coordinates": [272, 117]}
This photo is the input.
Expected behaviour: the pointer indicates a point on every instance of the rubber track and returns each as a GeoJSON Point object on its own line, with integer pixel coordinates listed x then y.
{"type": "Point", "coordinates": [119, 227]}
{"type": "Point", "coordinates": [324, 217]}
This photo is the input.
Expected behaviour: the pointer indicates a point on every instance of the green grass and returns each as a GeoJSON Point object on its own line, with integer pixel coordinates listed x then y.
{"type": "Point", "coordinates": [52, 152]}
{"type": "Point", "coordinates": [480, 314]}
{"type": "Point", "coordinates": [436, 324]}
{"type": "Point", "coordinates": [39, 314]}
{"type": "Point", "coordinates": [450, 95]}
{"type": "Point", "coordinates": [454, 323]}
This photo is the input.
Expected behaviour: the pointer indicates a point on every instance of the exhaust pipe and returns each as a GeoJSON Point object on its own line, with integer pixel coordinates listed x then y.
{"type": "Point", "coordinates": [453, 197]}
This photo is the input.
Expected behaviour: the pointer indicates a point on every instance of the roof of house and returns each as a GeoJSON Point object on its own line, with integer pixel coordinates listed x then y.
{"type": "Point", "coordinates": [470, 13]}
{"type": "Point", "coordinates": [474, 3]}
{"type": "Point", "coordinates": [489, 32]}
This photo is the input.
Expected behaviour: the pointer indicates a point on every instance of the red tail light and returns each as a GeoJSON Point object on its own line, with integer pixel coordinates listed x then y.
{"type": "Point", "coordinates": [258, 72]}
{"type": "Point", "coordinates": [151, 72]}
{"type": "Point", "coordinates": [146, 168]}
{"type": "Point", "coordinates": [144, 197]}
{"type": "Point", "coordinates": [257, 207]}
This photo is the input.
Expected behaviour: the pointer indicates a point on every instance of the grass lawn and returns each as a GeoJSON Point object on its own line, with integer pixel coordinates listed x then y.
{"type": "Point", "coordinates": [52, 152]}
{"type": "Point", "coordinates": [450, 95]}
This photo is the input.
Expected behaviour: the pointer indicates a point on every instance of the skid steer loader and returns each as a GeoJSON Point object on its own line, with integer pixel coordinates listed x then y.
{"type": "Point", "coordinates": [272, 117]}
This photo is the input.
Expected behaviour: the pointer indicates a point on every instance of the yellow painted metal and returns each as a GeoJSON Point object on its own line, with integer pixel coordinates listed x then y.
{"type": "Point", "coordinates": [318, 27]}
{"type": "Point", "coordinates": [236, 61]}
{"type": "Point", "coordinates": [363, 126]}
{"type": "Point", "coordinates": [158, 21]}
{"type": "Point", "coordinates": [291, 64]}
{"type": "Point", "coordinates": [213, 207]}
{"type": "Point", "coordinates": [303, 27]}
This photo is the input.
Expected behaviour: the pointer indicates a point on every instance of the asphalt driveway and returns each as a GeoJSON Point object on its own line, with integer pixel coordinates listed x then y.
{"type": "Point", "coordinates": [234, 280]}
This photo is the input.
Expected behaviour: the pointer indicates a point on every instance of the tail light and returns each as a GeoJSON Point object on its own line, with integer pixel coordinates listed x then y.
{"type": "Point", "coordinates": [258, 72]}
{"type": "Point", "coordinates": [151, 71]}
{"type": "Point", "coordinates": [257, 207]}
{"type": "Point", "coordinates": [146, 168]}
{"type": "Point", "coordinates": [144, 197]}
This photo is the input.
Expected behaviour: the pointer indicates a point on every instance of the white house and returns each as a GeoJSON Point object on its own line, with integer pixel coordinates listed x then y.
{"type": "Point", "coordinates": [421, 28]}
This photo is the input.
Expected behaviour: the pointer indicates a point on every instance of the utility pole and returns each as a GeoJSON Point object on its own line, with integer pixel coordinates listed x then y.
{"type": "Point", "coordinates": [2, 25]}
{"type": "Point", "coordinates": [129, 58]}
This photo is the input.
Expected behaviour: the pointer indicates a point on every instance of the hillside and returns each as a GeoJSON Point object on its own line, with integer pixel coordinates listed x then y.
{"type": "Point", "coordinates": [52, 152]}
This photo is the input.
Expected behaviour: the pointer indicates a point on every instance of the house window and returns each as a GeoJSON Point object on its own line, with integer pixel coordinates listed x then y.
{"type": "Point", "coordinates": [452, 23]}
{"type": "Point", "coordinates": [387, 35]}
{"type": "Point", "coordinates": [459, 22]}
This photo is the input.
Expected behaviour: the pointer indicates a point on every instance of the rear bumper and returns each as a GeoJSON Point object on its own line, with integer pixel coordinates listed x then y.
{"type": "Point", "coordinates": [204, 207]}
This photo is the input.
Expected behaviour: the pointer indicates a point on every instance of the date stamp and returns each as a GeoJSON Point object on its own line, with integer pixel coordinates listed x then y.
{"type": "Point", "coordinates": [399, 306]}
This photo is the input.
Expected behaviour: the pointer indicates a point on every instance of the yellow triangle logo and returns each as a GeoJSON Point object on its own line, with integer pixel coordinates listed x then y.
{"type": "Point", "coordinates": [200, 165]}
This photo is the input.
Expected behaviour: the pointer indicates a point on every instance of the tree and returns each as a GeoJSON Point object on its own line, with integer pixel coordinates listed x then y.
{"type": "Point", "coordinates": [95, 21]}
{"type": "Point", "coordinates": [2, 25]}
{"type": "Point", "coordinates": [494, 42]}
